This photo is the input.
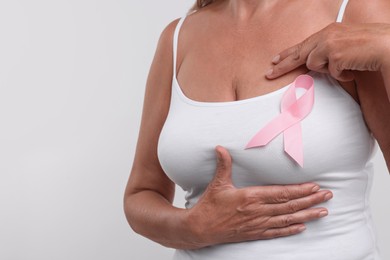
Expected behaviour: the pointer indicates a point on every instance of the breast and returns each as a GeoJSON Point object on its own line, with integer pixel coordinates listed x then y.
{"type": "Point", "coordinates": [336, 142]}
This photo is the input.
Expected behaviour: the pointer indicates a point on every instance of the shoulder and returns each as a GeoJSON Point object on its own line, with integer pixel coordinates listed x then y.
{"type": "Point", "coordinates": [363, 11]}
{"type": "Point", "coordinates": [165, 41]}
{"type": "Point", "coordinates": [191, 24]}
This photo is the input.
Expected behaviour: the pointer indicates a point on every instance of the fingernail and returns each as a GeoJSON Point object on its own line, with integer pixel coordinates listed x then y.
{"type": "Point", "coordinates": [269, 73]}
{"type": "Point", "coordinates": [301, 228]}
{"type": "Point", "coordinates": [323, 213]}
{"type": "Point", "coordinates": [276, 59]}
{"type": "Point", "coordinates": [328, 196]}
{"type": "Point", "coordinates": [315, 188]}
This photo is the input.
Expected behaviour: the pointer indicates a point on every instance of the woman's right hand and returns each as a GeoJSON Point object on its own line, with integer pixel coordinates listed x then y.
{"type": "Point", "coordinates": [227, 214]}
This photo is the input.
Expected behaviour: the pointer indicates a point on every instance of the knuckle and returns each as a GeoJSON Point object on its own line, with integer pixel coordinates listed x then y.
{"type": "Point", "coordinates": [293, 230]}
{"type": "Point", "coordinates": [247, 203]}
{"type": "Point", "coordinates": [374, 66]}
{"type": "Point", "coordinates": [243, 210]}
{"type": "Point", "coordinates": [293, 206]}
{"type": "Point", "coordinates": [334, 57]}
{"type": "Point", "coordinates": [264, 235]}
{"type": "Point", "coordinates": [329, 43]}
{"type": "Point", "coordinates": [248, 196]}
{"type": "Point", "coordinates": [273, 210]}
{"type": "Point", "coordinates": [332, 40]}
{"type": "Point", "coordinates": [277, 232]}
{"type": "Point", "coordinates": [288, 220]}
{"type": "Point", "coordinates": [296, 54]}
{"type": "Point", "coordinates": [284, 195]}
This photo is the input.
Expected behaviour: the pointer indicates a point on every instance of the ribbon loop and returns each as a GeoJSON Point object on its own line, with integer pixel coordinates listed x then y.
{"type": "Point", "coordinates": [293, 110]}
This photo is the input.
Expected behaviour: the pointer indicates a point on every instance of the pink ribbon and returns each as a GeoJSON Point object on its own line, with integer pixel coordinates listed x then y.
{"type": "Point", "coordinates": [288, 121]}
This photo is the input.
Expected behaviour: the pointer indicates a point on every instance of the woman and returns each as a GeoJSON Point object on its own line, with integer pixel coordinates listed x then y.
{"type": "Point", "coordinates": [212, 98]}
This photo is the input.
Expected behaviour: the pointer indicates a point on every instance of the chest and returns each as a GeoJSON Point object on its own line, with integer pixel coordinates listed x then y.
{"type": "Point", "coordinates": [220, 59]}
{"type": "Point", "coordinates": [335, 139]}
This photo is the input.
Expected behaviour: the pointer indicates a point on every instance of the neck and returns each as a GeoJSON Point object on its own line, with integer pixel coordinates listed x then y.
{"type": "Point", "coordinates": [245, 10]}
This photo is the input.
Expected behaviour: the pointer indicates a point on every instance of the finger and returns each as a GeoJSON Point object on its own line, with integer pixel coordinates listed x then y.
{"type": "Point", "coordinates": [317, 61]}
{"type": "Point", "coordinates": [288, 64]}
{"type": "Point", "coordinates": [224, 166]}
{"type": "Point", "coordinates": [337, 72]}
{"type": "Point", "coordinates": [298, 217]}
{"type": "Point", "coordinates": [293, 57]}
{"type": "Point", "coordinates": [282, 193]}
{"type": "Point", "coordinates": [346, 75]}
{"type": "Point", "coordinates": [298, 204]}
{"type": "Point", "coordinates": [293, 51]}
{"type": "Point", "coordinates": [282, 232]}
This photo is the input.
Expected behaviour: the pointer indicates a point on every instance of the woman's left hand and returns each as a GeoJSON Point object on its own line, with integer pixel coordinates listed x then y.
{"type": "Point", "coordinates": [339, 49]}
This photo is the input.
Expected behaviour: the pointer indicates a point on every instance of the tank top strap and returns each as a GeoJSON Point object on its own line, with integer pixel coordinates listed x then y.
{"type": "Point", "coordinates": [175, 42]}
{"type": "Point", "coordinates": [341, 11]}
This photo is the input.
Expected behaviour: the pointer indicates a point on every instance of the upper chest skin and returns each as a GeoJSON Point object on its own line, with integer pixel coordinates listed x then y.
{"type": "Point", "coordinates": [222, 59]}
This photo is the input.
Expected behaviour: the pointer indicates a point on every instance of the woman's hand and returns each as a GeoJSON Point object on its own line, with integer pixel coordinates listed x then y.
{"type": "Point", "coordinates": [340, 49]}
{"type": "Point", "coordinates": [226, 214]}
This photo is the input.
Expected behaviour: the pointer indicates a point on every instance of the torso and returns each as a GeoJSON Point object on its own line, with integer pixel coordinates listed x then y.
{"type": "Point", "coordinates": [224, 99]}
{"type": "Point", "coordinates": [223, 60]}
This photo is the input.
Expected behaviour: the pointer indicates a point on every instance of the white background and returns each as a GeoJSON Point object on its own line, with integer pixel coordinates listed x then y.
{"type": "Point", "coordinates": [72, 78]}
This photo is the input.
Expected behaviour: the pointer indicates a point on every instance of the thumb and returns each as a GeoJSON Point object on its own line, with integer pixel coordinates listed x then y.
{"type": "Point", "coordinates": [223, 172]}
{"type": "Point", "coordinates": [345, 76]}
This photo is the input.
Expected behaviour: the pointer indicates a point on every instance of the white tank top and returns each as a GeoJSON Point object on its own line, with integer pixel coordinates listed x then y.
{"type": "Point", "coordinates": [337, 147]}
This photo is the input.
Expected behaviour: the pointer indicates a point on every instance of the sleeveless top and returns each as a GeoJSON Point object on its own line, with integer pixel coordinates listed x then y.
{"type": "Point", "coordinates": [337, 147]}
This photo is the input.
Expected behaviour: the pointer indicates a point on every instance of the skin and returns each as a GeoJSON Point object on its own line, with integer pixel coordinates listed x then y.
{"type": "Point", "coordinates": [357, 51]}
{"type": "Point", "coordinates": [149, 193]}
{"type": "Point", "coordinates": [245, 43]}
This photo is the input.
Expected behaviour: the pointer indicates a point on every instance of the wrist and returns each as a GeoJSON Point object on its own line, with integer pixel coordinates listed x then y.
{"type": "Point", "coordinates": [194, 233]}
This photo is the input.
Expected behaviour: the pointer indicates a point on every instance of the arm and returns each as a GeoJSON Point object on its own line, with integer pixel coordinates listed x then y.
{"type": "Point", "coordinates": [375, 107]}
{"type": "Point", "coordinates": [359, 50]}
{"type": "Point", "coordinates": [149, 192]}
{"type": "Point", "coordinates": [371, 86]}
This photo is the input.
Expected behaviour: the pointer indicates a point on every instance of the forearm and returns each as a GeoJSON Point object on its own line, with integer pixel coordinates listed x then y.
{"type": "Point", "coordinates": [375, 107]}
{"type": "Point", "coordinates": [386, 77]}
{"type": "Point", "coordinates": [151, 215]}
{"type": "Point", "coordinates": [386, 81]}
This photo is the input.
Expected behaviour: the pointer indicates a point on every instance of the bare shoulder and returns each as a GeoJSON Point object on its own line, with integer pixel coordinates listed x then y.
{"type": "Point", "coordinates": [166, 37]}
{"type": "Point", "coordinates": [165, 42]}
{"type": "Point", "coordinates": [160, 73]}
{"type": "Point", "coordinates": [373, 11]}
